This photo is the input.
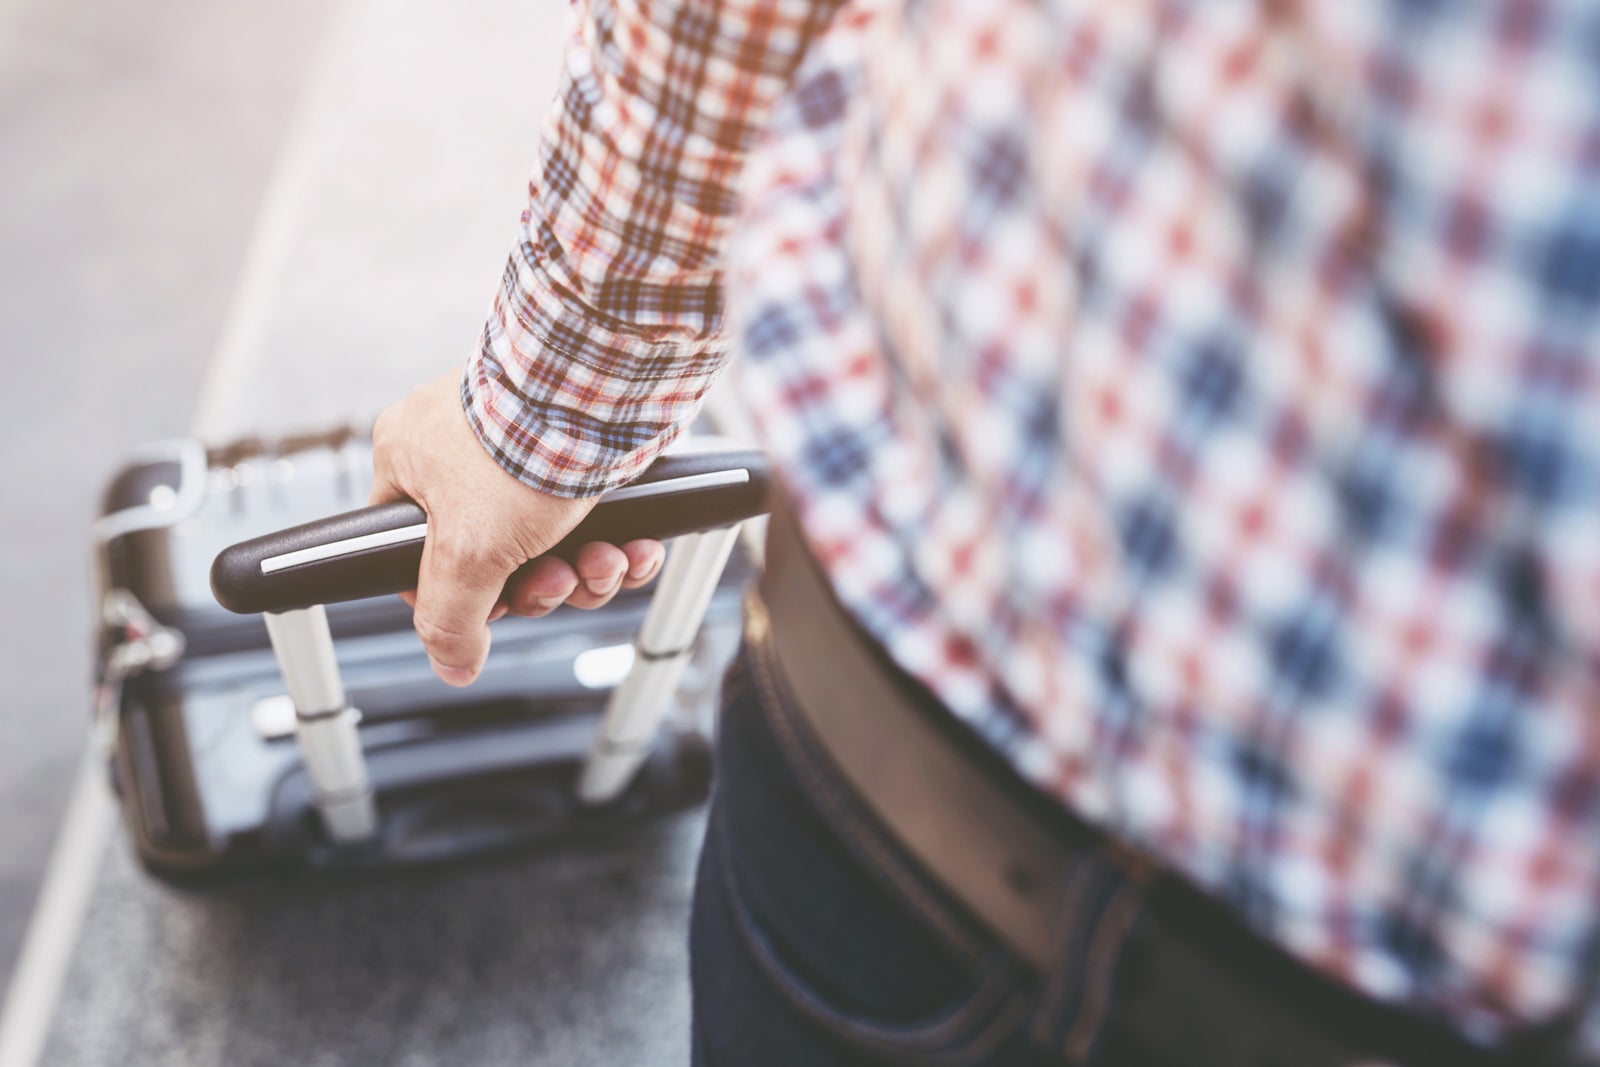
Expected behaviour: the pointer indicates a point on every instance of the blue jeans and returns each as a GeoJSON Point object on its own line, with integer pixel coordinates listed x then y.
{"type": "Point", "coordinates": [814, 942]}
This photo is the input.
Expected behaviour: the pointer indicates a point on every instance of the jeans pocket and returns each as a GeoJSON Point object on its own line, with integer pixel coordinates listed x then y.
{"type": "Point", "coordinates": [952, 1025]}
{"type": "Point", "coordinates": [838, 941]}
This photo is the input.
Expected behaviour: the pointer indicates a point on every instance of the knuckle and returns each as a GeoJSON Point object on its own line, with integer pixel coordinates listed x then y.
{"type": "Point", "coordinates": [465, 555]}
{"type": "Point", "coordinates": [440, 637]}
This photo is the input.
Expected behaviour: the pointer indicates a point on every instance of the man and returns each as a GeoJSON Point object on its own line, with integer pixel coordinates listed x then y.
{"type": "Point", "coordinates": [1181, 630]}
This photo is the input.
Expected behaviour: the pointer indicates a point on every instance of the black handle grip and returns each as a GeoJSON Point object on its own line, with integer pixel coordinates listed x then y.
{"type": "Point", "coordinates": [378, 550]}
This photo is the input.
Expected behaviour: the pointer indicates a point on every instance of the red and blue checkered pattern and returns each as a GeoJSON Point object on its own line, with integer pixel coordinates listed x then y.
{"type": "Point", "coordinates": [1202, 398]}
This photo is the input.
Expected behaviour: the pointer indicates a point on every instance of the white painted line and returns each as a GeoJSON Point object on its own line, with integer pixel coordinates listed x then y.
{"type": "Point", "coordinates": [69, 881]}
{"type": "Point", "coordinates": [239, 346]}
{"type": "Point", "coordinates": [53, 931]}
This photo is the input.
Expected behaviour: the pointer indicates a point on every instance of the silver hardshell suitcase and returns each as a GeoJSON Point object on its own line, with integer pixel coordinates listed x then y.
{"type": "Point", "coordinates": [320, 740]}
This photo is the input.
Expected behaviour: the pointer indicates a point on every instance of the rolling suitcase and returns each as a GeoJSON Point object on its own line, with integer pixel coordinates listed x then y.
{"type": "Point", "coordinates": [321, 740]}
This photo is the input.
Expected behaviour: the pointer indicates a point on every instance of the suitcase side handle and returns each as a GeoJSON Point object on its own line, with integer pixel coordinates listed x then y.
{"type": "Point", "coordinates": [378, 550]}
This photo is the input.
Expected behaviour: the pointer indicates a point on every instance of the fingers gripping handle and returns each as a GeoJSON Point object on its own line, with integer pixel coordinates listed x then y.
{"type": "Point", "coordinates": [378, 550]}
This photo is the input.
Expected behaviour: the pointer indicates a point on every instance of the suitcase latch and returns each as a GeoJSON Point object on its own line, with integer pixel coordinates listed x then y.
{"type": "Point", "coordinates": [145, 644]}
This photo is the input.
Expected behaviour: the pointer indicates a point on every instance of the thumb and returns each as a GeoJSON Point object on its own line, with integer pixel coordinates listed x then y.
{"type": "Point", "coordinates": [385, 478]}
{"type": "Point", "coordinates": [457, 589]}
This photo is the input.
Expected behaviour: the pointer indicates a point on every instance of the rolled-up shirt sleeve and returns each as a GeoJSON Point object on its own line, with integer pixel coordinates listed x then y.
{"type": "Point", "coordinates": [605, 332]}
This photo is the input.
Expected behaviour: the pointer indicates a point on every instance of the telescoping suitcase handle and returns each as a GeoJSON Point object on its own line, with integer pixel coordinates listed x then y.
{"type": "Point", "coordinates": [373, 551]}
{"type": "Point", "coordinates": [697, 495]}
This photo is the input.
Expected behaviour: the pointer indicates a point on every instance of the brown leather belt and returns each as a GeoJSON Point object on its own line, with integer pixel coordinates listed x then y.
{"type": "Point", "coordinates": [946, 812]}
{"type": "Point", "coordinates": [998, 852]}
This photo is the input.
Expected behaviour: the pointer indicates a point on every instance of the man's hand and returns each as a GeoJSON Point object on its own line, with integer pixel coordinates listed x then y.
{"type": "Point", "coordinates": [482, 525]}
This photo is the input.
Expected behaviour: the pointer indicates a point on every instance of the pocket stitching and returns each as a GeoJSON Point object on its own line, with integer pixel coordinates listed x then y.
{"type": "Point", "coordinates": [940, 1040]}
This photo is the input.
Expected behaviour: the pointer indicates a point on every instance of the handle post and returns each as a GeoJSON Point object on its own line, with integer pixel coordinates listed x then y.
{"type": "Point", "coordinates": [695, 496]}
{"type": "Point", "coordinates": [325, 723]}
{"type": "Point", "coordinates": [689, 578]}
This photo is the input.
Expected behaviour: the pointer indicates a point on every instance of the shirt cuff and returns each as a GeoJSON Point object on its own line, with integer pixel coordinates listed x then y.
{"type": "Point", "coordinates": [569, 403]}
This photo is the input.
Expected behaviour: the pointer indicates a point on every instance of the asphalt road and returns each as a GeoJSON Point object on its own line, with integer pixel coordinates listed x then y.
{"type": "Point", "coordinates": [267, 218]}
{"type": "Point", "coordinates": [136, 145]}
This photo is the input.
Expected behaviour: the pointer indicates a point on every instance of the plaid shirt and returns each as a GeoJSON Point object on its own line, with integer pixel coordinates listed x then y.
{"type": "Point", "coordinates": [1203, 398]}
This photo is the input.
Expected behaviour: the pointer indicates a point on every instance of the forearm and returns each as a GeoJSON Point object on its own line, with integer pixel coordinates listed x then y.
{"type": "Point", "coordinates": [604, 334]}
